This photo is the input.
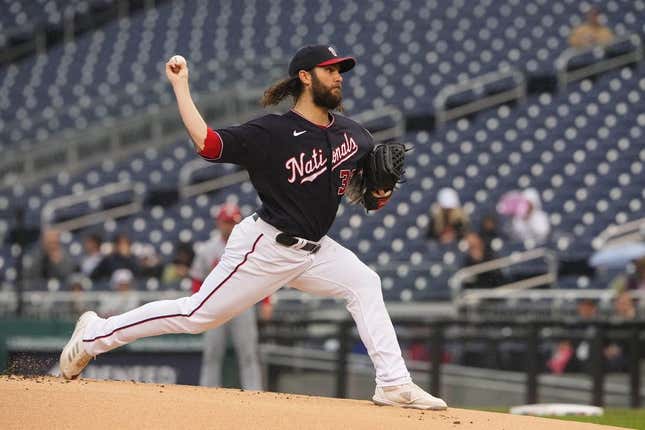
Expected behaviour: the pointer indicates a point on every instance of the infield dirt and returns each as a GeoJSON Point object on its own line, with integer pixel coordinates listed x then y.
{"type": "Point", "coordinates": [53, 403]}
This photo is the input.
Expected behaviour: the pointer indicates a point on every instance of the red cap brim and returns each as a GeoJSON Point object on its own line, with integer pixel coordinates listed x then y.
{"type": "Point", "coordinates": [346, 63]}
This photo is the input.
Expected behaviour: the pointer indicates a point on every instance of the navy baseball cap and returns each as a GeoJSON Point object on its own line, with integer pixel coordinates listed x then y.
{"type": "Point", "coordinates": [318, 55]}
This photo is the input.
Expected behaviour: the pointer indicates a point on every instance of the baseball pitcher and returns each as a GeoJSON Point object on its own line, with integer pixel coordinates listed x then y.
{"type": "Point", "coordinates": [301, 163]}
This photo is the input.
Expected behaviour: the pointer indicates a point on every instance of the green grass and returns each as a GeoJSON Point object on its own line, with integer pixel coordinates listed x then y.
{"type": "Point", "coordinates": [629, 418]}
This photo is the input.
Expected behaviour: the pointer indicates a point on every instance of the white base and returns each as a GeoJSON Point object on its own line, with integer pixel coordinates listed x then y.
{"type": "Point", "coordinates": [558, 409]}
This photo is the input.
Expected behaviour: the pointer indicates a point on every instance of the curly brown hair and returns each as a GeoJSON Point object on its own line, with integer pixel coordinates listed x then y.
{"type": "Point", "coordinates": [277, 92]}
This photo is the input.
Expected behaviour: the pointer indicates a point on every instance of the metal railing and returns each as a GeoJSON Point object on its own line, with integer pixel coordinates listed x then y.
{"type": "Point", "coordinates": [120, 138]}
{"type": "Point", "coordinates": [439, 334]}
{"type": "Point", "coordinates": [38, 37]}
{"type": "Point", "coordinates": [516, 91]}
{"type": "Point", "coordinates": [384, 124]}
{"type": "Point", "coordinates": [616, 234]}
{"type": "Point", "coordinates": [186, 189]}
{"type": "Point", "coordinates": [600, 63]}
{"type": "Point", "coordinates": [532, 334]}
{"type": "Point", "coordinates": [287, 300]}
{"type": "Point", "coordinates": [473, 295]}
{"type": "Point", "coordinates": [93, 198]}
{"type": "Point", "coordinates": [544, 304]}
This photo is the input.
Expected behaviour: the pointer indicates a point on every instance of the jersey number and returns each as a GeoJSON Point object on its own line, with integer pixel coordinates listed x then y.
{"type": "Point", "coordinates": [345, 177]}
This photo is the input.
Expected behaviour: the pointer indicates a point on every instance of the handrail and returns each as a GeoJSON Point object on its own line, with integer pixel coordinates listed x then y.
{"type": "Point", "coordinates": [121, 136]}
{"type": "Point", "coordinates": [186, 172]}
{"type": "Point", "coordinates": [9, 295]}
{"type": "Point", "coordinates": [369, 116]}
{"type": "Point", "coordinates": [603, 294]}
{"type": "Point", "coordinates": [73, 23]}
{"type": "Point", "coordinates": [470, 295]}
{"type": "Point", "coordinates": [614, 234]}
{"type": "Point", "coordinates": [601, 65]}
{"type": "Point", "coordinates": [477, 84]}
{"type": "Point", "coordinates": [498, 263]}
{"type": "Point", "coordinates": [70, 296]}
{"type": "Point", "coordinates": [474, 295]}
{"type": "Point", "coordinates": [94, 194]}
{"type": "Point", "coordinates": [188, 190]}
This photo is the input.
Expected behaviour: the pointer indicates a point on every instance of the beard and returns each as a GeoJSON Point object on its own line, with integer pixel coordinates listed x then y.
{"type": "Point", "coordinates": [325, 97]}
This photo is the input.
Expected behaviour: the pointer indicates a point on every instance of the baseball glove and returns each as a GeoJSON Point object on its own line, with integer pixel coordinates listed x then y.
{"type": "Point", "coordinates": [382, 170]}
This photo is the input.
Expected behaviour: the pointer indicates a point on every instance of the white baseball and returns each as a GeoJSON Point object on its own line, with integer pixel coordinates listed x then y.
{"type": "Point", "coordinates": [178, 59]}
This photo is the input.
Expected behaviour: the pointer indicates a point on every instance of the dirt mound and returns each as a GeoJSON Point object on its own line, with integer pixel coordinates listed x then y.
{"type": "Point", "coordinates": [53, 403]}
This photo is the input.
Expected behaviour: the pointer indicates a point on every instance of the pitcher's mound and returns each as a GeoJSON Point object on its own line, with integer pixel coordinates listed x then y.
{"type": "Point", "coordinates": [53, 403]}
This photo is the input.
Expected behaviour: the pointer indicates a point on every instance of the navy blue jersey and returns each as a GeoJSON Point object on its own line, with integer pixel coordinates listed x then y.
{"type": "Point", "coordinates": [299, 169]}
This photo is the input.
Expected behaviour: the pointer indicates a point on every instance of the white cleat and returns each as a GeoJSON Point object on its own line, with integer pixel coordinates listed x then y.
{"type": "Point", "coordinates": [407, 396]}
{"type": "Point", "coordinates": [74, 359]}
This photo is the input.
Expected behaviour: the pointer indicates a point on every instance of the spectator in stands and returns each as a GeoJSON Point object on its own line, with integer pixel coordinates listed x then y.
{"type": "Point", "coordinates": [634, 279]}
{"type": "Point", "coordinates": [625, 306]}
{"type": "Point", "coordinates": [92, 253]}
{"type": "Point", "coordinates": [489, 229]}
{"type": "Point", "coordinates": [78, 284]}
{"type": "Point", "coordinates": [569, 355]}
{"type": "Point", "coordinates": [124, 297]}
{"type": "Point", "coordinates": [591, 33]}
{"type": "Point", "coordinates": [587, 309]}
{"type": "Point", "coordinates": [148, 261]}
{"type": "Point", "coordinates": [478, 253]}
{"type": "Point", "coordinates": [572, 356]}
{"type": "Point", "coordinates": [448, 221]}
{"type": "Point", "coordinates": [49, 260]}
{"type": "Point", "coordinates": [178, 269]}
{"type": "Point", "coordinates": [562, 358]}
{"type": "Point", "coordinates": [121, 257]}
{"type": "Point", "coordinates": [529, 223]}
{"type": "Point", "coordinates": [616, 352]}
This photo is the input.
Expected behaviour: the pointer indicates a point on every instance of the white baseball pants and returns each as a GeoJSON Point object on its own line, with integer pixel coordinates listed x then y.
{"type": "Point", "coordinates": [255, 266]}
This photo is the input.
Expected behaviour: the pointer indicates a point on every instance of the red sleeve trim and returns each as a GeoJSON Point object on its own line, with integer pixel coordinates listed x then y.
{"type": "Point", "coordinates": [197, 284]}
{"type": "Point", "coordinates": [212, 145]}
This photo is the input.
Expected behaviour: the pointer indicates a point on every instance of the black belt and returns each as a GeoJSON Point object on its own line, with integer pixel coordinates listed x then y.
{"type": "Point", "coordinates": [289, 241]}
{"type": "Point", "coordinates": [294, 242]}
